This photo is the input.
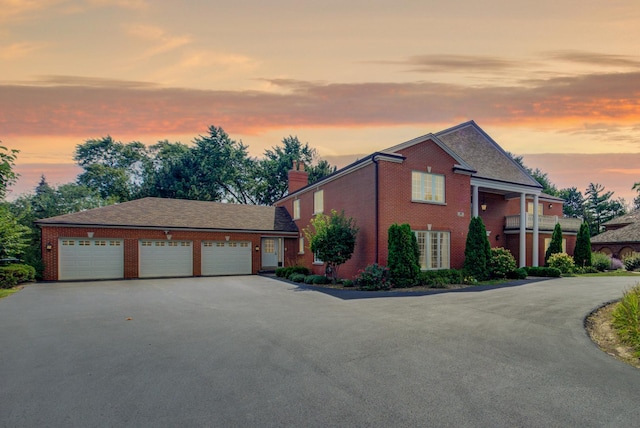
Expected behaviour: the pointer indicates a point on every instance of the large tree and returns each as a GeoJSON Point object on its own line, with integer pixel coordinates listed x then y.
{"type": "Point", "coordinates": [540, 176]}
{"type": "Point", "coordinates": [7, 175]}
{"type": "Point", "coordinates": [600, 207]}
{"type": "Point", "coordinates": [573, 205]}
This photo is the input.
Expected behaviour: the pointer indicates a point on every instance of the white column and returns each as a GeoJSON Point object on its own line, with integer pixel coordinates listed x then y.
{"type": "Point", "coordinates": [474, 201]}
{"type": "Point", "coordinates": [523, 230]}
{"type": "Point", "coordinates": [536, 236]}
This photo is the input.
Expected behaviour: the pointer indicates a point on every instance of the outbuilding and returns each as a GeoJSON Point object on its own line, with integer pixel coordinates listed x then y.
{"type": "Point", "coordinates": [156, 237]}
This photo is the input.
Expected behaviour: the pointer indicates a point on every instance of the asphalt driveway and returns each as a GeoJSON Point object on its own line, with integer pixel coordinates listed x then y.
{"type": "Point", "coordinates": [252, 351]}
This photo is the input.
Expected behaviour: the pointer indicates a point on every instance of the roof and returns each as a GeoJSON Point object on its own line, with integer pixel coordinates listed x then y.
{"type": "Point", "coordinates": [180, 214]}
{"type": "Point", "coordinates": [626, 230]}
{"type": "Point", "coordinates": [484, 155]}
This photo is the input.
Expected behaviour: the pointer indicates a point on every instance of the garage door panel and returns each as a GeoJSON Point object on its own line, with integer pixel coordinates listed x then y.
{"type": "Point", "coordinates": [226, 258]}
{"type": "Point", "coordinates": [165, 258]}
{"type": "Point", "coordinates": [90, 259]}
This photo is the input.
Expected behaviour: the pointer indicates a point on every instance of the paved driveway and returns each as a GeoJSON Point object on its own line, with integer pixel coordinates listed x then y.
{"type": "Point", "coordinates": [251, 351]}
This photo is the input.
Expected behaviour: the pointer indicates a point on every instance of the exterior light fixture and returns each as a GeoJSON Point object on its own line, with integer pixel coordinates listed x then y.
{"type": "Point", "coordinates": [257, 248]}
{"type": "Point", "coordinates": [550, 205]}
{"type": "Point", "coordinates": [49, 247]}
{"type": "Point", "coordinates": [90, 234]}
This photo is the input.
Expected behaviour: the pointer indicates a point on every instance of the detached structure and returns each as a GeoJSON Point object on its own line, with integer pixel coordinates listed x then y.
{"type": "Point", "coordinates": [435, 183]}
{"type": "Point", "coordinates": [621, 236]}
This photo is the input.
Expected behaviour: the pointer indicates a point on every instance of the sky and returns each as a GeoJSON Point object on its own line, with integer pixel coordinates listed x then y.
{"type": "Point", "coordinates": [557, 82]}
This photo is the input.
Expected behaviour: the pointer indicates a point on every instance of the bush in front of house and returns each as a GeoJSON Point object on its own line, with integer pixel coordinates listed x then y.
{"type": "Point", "coordinates": [616, 264]}
{"type": "Point", "coordinates": [562, 261]}
{"type": "Point", "coordinates": [600, 261]}
{"type": "Point", "coordinates": [543, 271]}
{"type": "Point", "coordinates": [501, 263]}
{"type": "Point", "coordinates": [374, 277]}
{"type": "Point", "coordinates": [285, 272]}
{"type": "Point", "coordinates": [297, 277]}
{"type": "Point", "coordinates": [440, 278]}
{"type": "Point", "coordinates": [555, 246]}
{"type": "Point", "coordinates": [632, 261]}
{"type": "Point", "coordinates": [316, 279]}
{"type": "Point", "coordinates": [520, 273]}
{"type": "Point", "coordinates": [12, 275]}
{"type": "Point", "coordinates": [582, 251]}
{"type": "Point", "coordinates": [477, 251]}
{"type": "Point", "coordinates": [404, 256]}
{"type": "Point", "coordinates": [347, 283]}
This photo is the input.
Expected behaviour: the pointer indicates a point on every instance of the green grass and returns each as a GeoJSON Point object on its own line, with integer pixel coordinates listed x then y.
{"type": "Point", "coordinates": [626, 318]}
{"type": "Point", "coordinates": [619, 272]}
{"type": "Point", "coordinates": [7, 292]}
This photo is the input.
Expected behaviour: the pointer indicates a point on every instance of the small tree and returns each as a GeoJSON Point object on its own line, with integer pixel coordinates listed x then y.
{"type": "Point", "coordinates": [404, 256]}
{"type": "Point", "coordinates": [477, 252]}
{"type": "Point", "coordinates": [14, 237]}
{"type": "Point", "coordinates": [332, 239]}
{"type": "Point", "coordinates": [556, 243]}
{"type": "Point", "coordinates": [582, 252]}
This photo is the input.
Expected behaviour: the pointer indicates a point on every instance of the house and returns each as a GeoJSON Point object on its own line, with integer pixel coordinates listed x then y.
{"type": "Point", "coordinates": [155, 237]}
{"type": "Point", "coordinates": [621, 236]}
{"type": "Point", "coordinates": [435, 183]}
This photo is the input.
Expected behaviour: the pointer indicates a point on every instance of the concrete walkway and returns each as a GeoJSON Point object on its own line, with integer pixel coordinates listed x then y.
{"type": "Point", "coordinates": [252, 351]}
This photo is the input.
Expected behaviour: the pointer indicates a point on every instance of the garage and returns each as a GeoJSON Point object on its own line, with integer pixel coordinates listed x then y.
{"type": "Point", "coordinates": [226, 258]}
{"type": "Point", "coordinates": [164, 258]}
{"type": "Point", "coordinates": [82, 258]}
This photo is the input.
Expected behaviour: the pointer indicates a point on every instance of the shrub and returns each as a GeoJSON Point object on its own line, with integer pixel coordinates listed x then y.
{"type": "Point", "coordinates": [586, 269]}
{"type": "Point", "coordinates": [316, 279]}
{"type": "Point", "coordinates": [520, 273]}
{"type": "Point", "coordinates": [582, 251]}
{"type": "Point", "coordinates": [501, 263]}
{"type": "Point", "coordinates": [555, 246]}
{"type": "Point", "coordinates": [477, 251]}
{"type": "Point", "coordinates": [543, 271]}
{"type": "Point", "coordinates": [373, 277]}
{"type": "Point", "coordinates": [439, 278]}
{"type": "Point", "coordinates": [600, 261]}
{"type": "Point", "coordinates": [632, 261]}
{"type": "Point", "coordinates": [616, 264]}
{"type": "Point", "coordinates": [285, 272]}
{"type": "Point", "coordinates": [626, 318]}
{"type": "Point", "coordinates": [404, 256]}
{"type": "Point", "coordinates": [562, 261]}
{"type": "Point", "coordinates": [12, 275]}
{"type": "Point", "coordinates": [347, 283]}
{"type": "Point", "coordinates": [297, 277]}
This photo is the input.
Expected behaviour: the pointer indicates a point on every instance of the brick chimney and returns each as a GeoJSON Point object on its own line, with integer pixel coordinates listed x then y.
{"type": "Point", "coordinates": [298, 177]}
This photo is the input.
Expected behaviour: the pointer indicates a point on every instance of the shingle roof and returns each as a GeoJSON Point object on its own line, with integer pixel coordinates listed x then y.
{"type": "Point", "coordinates": [473, 145]}
{"type": "Point", "coordinates": [181, 213]}
{"type": "Point", "coordinates": [629, 233]}
{"type": "Point", "coordinates": [632, 217]}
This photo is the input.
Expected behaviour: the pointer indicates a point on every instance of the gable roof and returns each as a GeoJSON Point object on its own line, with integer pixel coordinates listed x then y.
{"type": "Point", "coordinates": [484, 155]}
{"type": "Point", "coordinates": [626, 230]}
{"type": "Point", "coordinates": [632, 217]}
{"type": "Point", "coordinates": [180, 214]}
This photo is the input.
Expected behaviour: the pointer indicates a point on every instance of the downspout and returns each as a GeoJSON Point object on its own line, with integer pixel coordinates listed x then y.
{"type": "Point", "coordinates": [377, 228]}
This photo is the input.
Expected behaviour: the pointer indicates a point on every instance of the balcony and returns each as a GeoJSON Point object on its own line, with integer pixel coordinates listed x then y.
{"type": "Point", "coordinates": [545, 223]}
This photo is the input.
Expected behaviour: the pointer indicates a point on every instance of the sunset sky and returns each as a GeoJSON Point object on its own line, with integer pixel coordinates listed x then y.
{"type": "Point", "coordinates": [555, 81]}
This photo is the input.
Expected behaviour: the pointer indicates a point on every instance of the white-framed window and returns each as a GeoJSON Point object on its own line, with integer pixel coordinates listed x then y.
{"type": "Point", "coordinates": [317, 260]}
{"type": "Point", "coordinates": [207, 244]}
{"type": "Point", "coordinates": [530, 208]}
{"type": "Point", "coordinates": [318, 202]}
{"type": "Point", "coordinates": [427, 187]}
{"type": "Point", "coordinates": [434, 249]}
{"type": "Point", "coordinates": [301, 246]}
{"type": "Point", "coordinates": [244, 244]}
{"type": "Point", "coordinates": [547, 242]}
{"type": "Point", "coordinates": [296, 209]}
{"type": "Point", "coordinates": [114, 243]}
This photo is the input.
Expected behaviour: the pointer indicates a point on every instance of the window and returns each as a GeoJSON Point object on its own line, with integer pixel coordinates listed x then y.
{"type": "Point", "coordinates": [316, 260]}
{"type": "Point", "coordinates": [159, 244]}
{"type": "Point", "coordinates": [296, 209]}
{"type": "Point", "coordinates": [301, 246]}
{"type": "Point", "coordinates": [318, 202]}
{"type": "Point", "coordinates": [84, 243]}
{"type": "Point", "coordinates": [434, 249]}
{"type": "Point", "coordinates": [68, 242]}
{"type": "Point", "coordinates": [269, 245]}
{"type": "Point", "coordinates": [207, 244]}
{"type": "Point", "coordinates": [244, 244]}
{"type": "Point", "coordinates": [427, 187]}
{"type": "Point", "coordinates": [219, 244]}
{"type": "Point", "coordinates": [173, 244]}
{"type": "Point", "coordinates": [114, 243]}
{"type": "Point", "coordinates": [233, 244]}
{"type": "Point", "coordinates": [185, 244]}
{"type": "Point", "coordinates": [146, 243]}
{"type": "Point", "coordinates": [547, 242]}
{"type": "Point", "coordinates": [530, 208]}
{"type": "Point", "coordinates": [100, 243]}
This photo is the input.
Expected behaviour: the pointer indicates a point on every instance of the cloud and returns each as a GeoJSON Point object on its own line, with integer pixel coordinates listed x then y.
{"type": "Point", "coordinates": [21, 9]}
{"type": "Point", "coordinates": [594, 58]}
{"type": "Point", "coordinates": [86, 106]}
{"type": "Point", "coordinates": [163, 42]}
{"type": "Point", "coordinates": [454, 63]}
{"type": "Point", "coordinates": [19, 50]}
{"type": "Point", "coordinates": [126, 4]}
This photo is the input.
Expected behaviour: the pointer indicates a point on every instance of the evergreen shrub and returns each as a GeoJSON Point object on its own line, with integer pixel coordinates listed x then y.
{"type": "Point", "coordinates": [477, 252]}
{"type": "Point", "coordinates": [632, 261]}
{"type": "Point", "coordinates": [501, 263]}
{"type": "Point", "coordinates": [404, 256]}
{"type": "Point", "coordinates": [600, 261]}
{"type": "Point", "coordinates": [562, 261]}
{"type": "Point", "coordinates": [543, 271]}
{"type": "Point", "coordinates": [15, 274]}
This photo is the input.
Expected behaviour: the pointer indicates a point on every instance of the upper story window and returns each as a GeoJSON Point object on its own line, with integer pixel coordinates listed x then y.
{"type": "Point", "coordinates": [530, 208]}
{"type": "Point", "coordinates": [427, 187]}
{"type": "Point", "coordinates": [296, 209]}
{"type": "Point", "coordinates": [318, 202]}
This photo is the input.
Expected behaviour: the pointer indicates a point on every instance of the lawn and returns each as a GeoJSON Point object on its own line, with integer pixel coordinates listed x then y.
{"type": "Point", "coordinates": [8, 292]}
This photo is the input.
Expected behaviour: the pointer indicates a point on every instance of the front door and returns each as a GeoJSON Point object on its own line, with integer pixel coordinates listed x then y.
{"type": "Point", "coordinates": [270, 253]}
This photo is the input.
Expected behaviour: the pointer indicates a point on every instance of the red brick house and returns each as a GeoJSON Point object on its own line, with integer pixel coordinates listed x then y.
{"type": "Point", "coordinates": [435, 183]}
{"type": "Point", "coordinates": [621, 236]}
{"type": "Point", "coordinates": [154, 237]}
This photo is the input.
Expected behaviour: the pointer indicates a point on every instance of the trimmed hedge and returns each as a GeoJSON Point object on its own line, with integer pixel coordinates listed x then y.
{"type": "Point", "coordinates": [297, 277]}
{"type": "Point", "coordinates": [12, 275]}
{"type": "Point", "coordinates": [440, 278]}
{"type": "Point", "coordinates": [286, 272]}
{"type": "Point", "coordinates": [316, 279]}
{"type": "Point", "coordinates": [520, 273]}
{"type": "Point", "coordinates": [543, 271]}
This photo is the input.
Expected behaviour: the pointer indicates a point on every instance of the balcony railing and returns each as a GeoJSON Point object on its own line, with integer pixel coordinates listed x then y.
{"type": "Point", "coordinates": [545, 222]}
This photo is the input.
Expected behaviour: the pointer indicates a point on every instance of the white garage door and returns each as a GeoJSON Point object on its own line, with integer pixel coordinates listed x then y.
{"type": "Point", "coordinates": [90, 259]}
{"type": "Point", "coordinates": [226, 258]}
{"type": "Point", "coordinates": [165, 258]}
